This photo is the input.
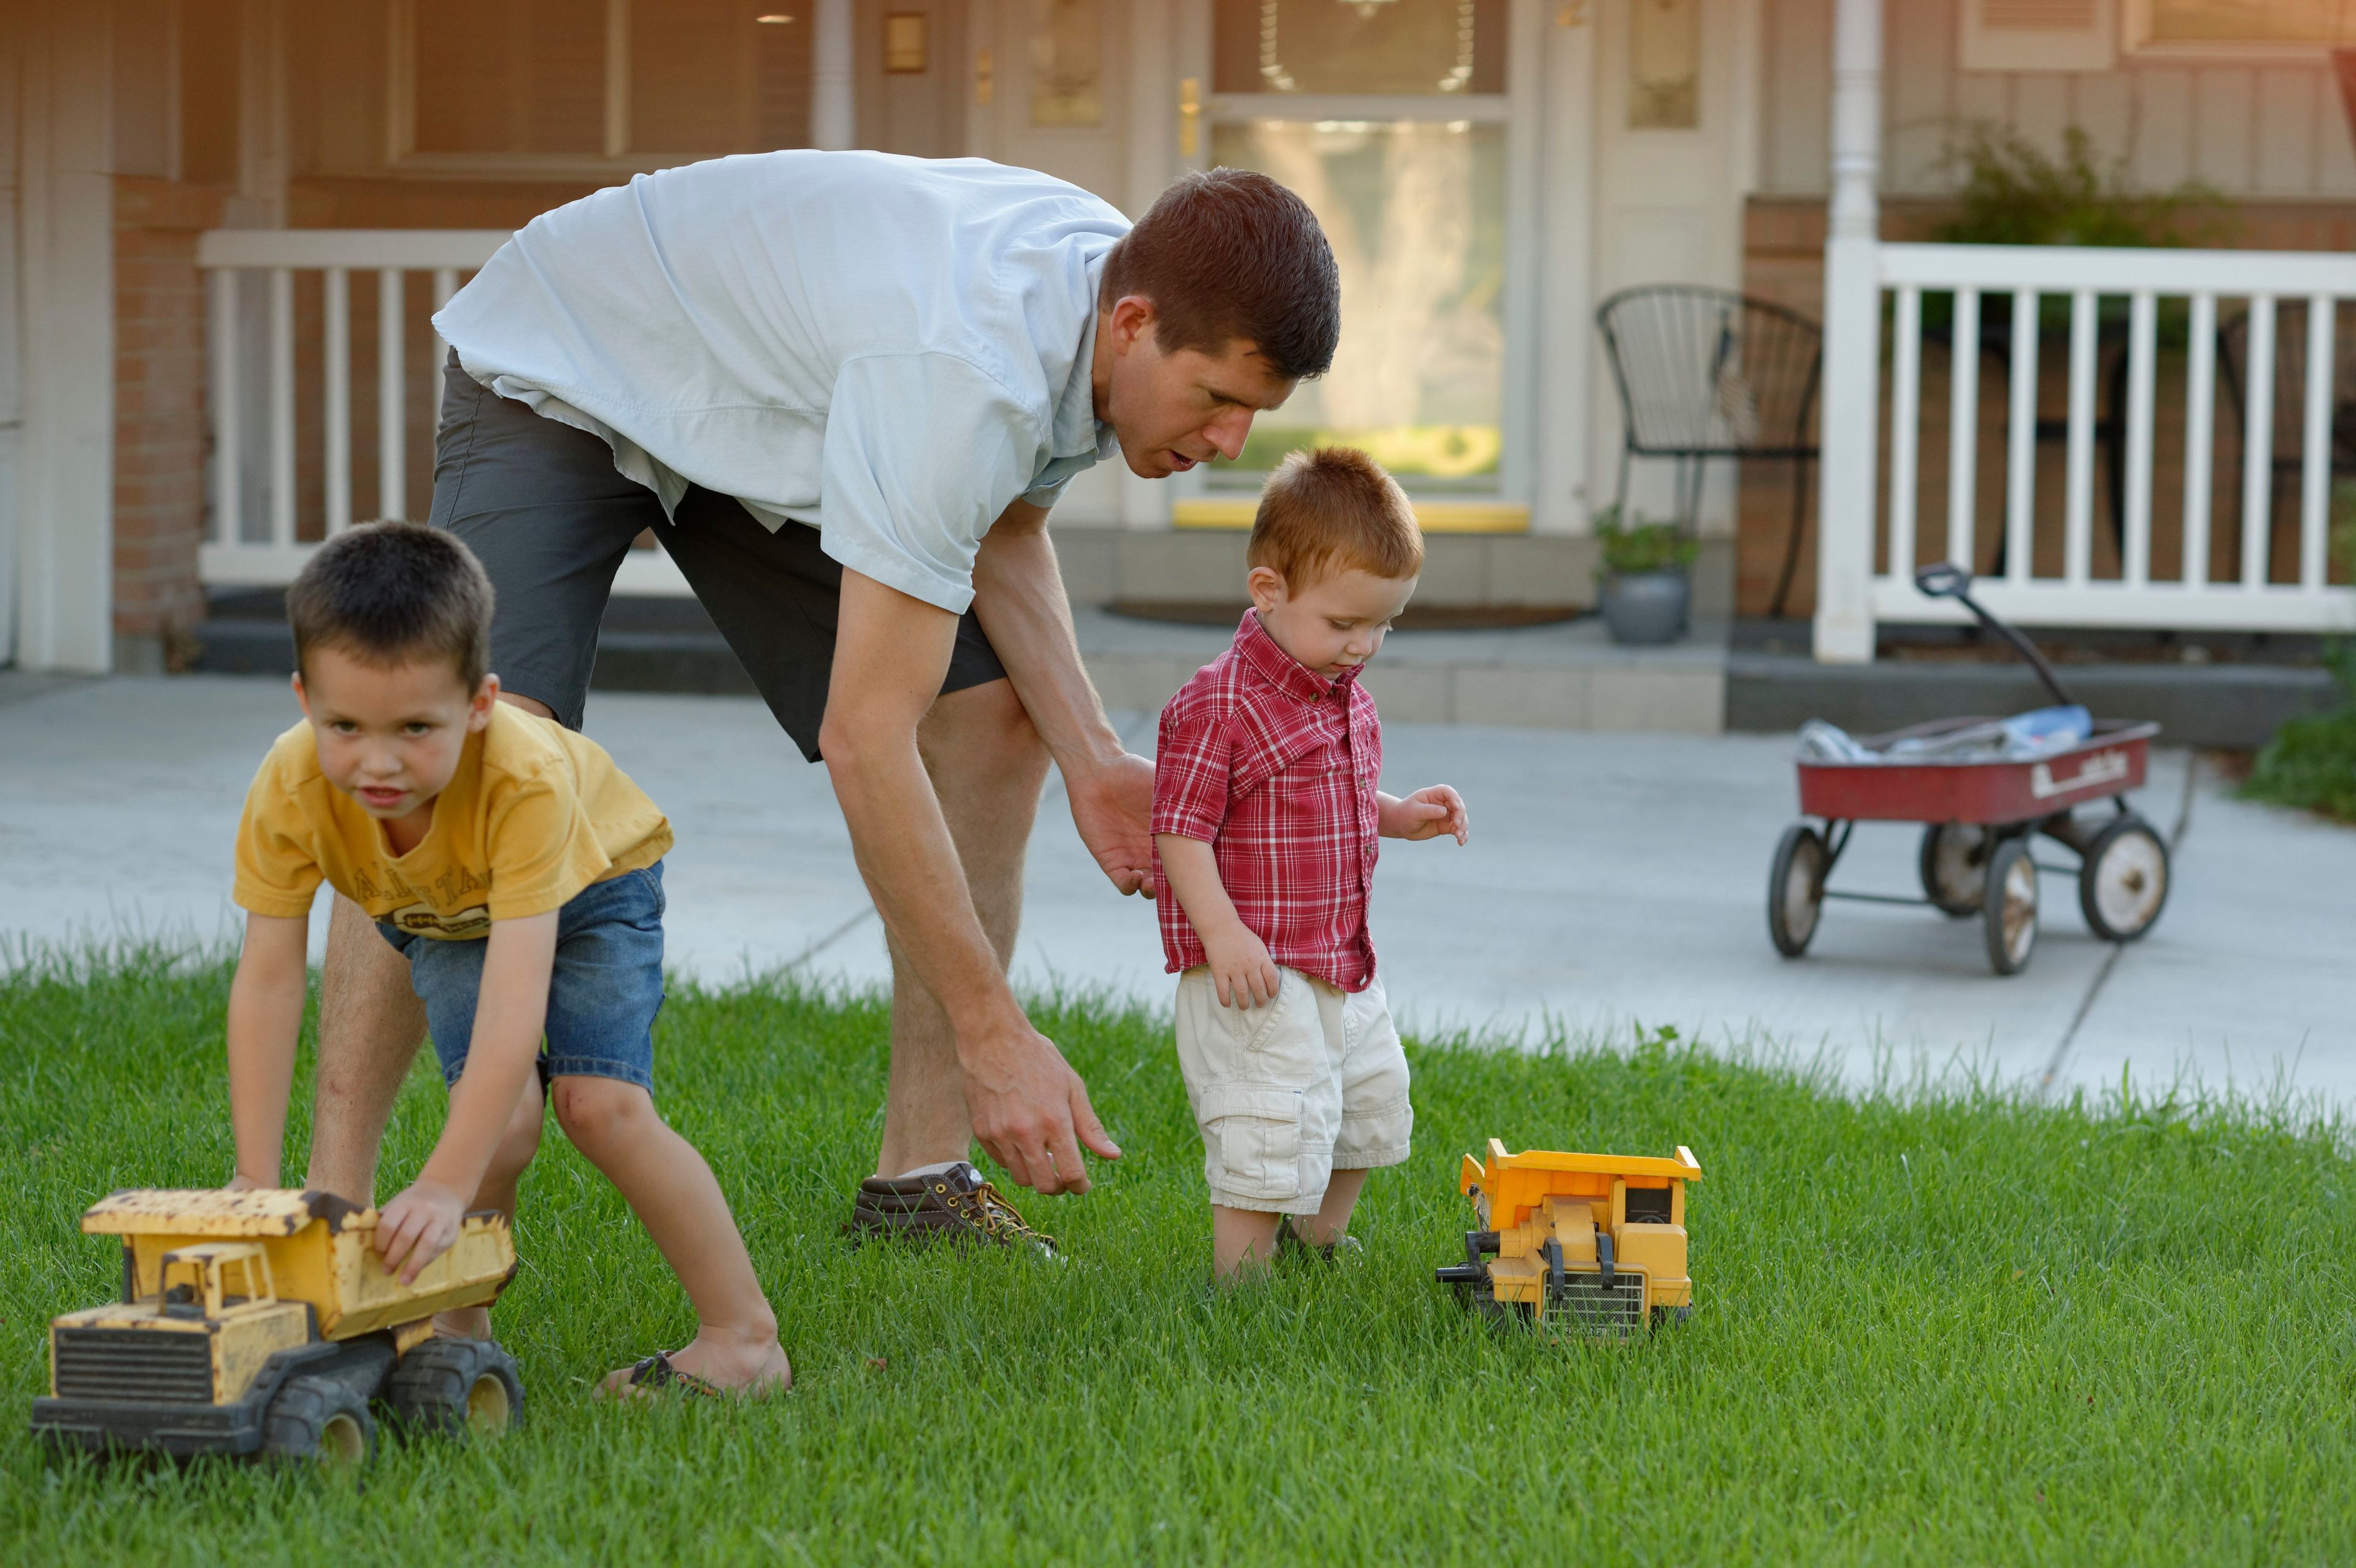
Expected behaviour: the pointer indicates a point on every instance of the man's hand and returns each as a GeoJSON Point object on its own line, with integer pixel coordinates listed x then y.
{"type": "Point", "coordinates": [1112, 805]}
{"type": "Point", "coordinates": [1426, 814]}
{"type": "Point", "coordinates": [418, 1227]}
{"type": "Point", "coordinates": [1245, 975]}
{"type": "Point", "coordinates": [1030, 1110]}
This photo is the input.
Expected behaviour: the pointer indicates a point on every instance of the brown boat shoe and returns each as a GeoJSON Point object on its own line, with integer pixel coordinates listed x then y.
{"type": "Point", "coordinates": [953, 1205]}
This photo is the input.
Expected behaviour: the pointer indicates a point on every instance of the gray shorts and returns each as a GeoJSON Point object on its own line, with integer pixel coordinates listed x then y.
{"type": "Point", "coordinates": [541, 505]}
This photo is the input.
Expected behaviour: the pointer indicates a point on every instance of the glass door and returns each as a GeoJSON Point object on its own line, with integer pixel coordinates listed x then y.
{"type": "Point", "coordinates": [1391, 118]}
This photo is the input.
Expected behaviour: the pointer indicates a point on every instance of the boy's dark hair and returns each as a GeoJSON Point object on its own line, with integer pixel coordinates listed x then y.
{"type": "Point", "coordinates": [391, 593]}
{"type": "Point", "coordinates": [1231, 255]}
{"type": "Point", "coordinates": [1333, 509]}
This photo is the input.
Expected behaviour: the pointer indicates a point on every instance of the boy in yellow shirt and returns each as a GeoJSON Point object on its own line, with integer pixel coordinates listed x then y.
{"type": "Point", "coordinates": [520, 873]}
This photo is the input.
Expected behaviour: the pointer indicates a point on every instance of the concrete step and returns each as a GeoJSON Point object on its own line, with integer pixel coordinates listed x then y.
{"type": "Point", "coordinates": [2234, 693]}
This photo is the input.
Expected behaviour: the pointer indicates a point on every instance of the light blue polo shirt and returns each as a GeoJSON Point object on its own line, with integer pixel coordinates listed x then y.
{"type": "Point", "coordinates": [889, 349]}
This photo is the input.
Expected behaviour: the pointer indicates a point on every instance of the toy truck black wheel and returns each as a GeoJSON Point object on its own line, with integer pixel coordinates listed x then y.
{"type": "Point", "coordinates": [318, 1421]}
{"type": "Point", "coordinates": [2009, 907]}
{"type": "Point", "coordinates": [2123, 881]}
{"type": "Point", "coordinates": [456, 1386]}
{"type": "Point", "coordinates": [1953, 864]}
{"type": "Point", "coordinates": [1796, 888]}
{"type": "Point", "coordinates": [1663, 1317]}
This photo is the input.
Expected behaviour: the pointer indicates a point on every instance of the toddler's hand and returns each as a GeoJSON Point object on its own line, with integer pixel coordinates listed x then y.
{"type": "Point", "coordinates": [1247, 977]}
{"type": "Point", "coordinates": [1426, 814]}
{"type": "Point", "coordinates": [241, 1182]}
{"type": "Point", "coordinates": [418, 1227]}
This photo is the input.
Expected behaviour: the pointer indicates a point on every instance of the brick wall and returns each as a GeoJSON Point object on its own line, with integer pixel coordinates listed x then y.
{"type": "Point", "coordinates": [159, 415]}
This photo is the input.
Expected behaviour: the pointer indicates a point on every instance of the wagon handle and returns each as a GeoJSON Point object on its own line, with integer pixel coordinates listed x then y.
{"type": "Point", "coordinates": [1945, 579]}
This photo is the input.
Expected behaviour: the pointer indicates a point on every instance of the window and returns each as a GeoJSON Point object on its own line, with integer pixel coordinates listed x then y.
{"type": "Point", "coordinates": [1389, 118]}
{"type": "Point", "coordinates": [534, 84]}
{"type": "Point", "coordinates": [2241, 27]}
{"type": "Point", "coordinates": [2038, 35]}
{"type": "Point", "coordinates": [1066, 63]}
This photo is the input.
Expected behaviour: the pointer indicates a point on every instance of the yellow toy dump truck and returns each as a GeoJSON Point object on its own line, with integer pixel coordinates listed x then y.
{"type": "Point", "coordinates": [1587, 1244]}
{"type": "Point", "coordinates": [264, 1322]}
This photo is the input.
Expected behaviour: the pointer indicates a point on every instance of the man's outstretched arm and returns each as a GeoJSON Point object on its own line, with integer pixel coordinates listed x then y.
{"type": "Point", "coordinates": [1029, 1108]}
{"type": "Point", "coordinates": [1018, 593]}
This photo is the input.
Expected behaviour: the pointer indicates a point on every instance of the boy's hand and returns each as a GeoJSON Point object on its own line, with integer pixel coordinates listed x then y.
{"type": "Point", "coordinates": [1245, 975]}
{"type": "Point", "coordinates": [418, 1227]}
{"type": "Point", "coordinates": [1426, 814]}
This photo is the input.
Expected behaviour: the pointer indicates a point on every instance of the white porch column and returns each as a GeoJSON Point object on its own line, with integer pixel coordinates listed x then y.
{"type": "Point", "coordinates": [1849, 418]}
{"type": "Point", "coordinates": [834, 124]}
{"type": "Point", "coordinates": [65, 470]}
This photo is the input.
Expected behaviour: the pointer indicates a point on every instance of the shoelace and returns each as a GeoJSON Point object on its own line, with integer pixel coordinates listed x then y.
{"type": "Point", "coordinates": [991, 1213]}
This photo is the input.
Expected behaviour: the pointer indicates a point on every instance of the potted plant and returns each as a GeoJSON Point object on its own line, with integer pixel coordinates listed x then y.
{"type": "Point", "coordinates": [1647, 596]}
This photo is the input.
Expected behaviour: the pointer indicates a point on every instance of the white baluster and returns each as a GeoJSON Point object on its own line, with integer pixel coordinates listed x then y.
{"type": "Point", "coordinates": [337, 305]}
{"type": "Point", "coordinates": [2078, 490]}
{"type": "Point", "coordinates": [1963, 430]}
{"type": "Point", "coordinates": [2315, 455]}
{"type": "Point", "coordinates": [2259, 444]}
{"type": "Point", "coordinates": [2200, 432]}
{"type": "Point", "coordinates": [391, 399]}
{"type": "Point", "coordinates": [2021, 440]}
{"type": "Point", "coordinates": [282, 406]}
{"type": "Point", "coordinates": [1905, 406]}
{"type": "Point", "coordinates": [2143, 324]}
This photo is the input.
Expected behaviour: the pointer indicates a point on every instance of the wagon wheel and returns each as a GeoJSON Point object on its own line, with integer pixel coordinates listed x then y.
{"type": "Point", "coordinates": [1954, 867]}
{"type": "Point", "coordinates": [2123, 880]}
{"type": "Point", "coordinates": [2009, 907]}
{"type": "Point", "coordinates": [1796, 888]}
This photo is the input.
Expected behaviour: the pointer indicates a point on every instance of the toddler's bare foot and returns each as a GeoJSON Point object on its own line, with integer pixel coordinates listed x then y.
{"type": "Point", "coordinates": [709, 1363]}
{"type": "Point", "coordinates": [463, 1323]}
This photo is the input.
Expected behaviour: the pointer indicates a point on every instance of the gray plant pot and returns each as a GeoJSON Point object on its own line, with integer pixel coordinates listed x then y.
{"type": "Point", "coordinates": [1646, 607]}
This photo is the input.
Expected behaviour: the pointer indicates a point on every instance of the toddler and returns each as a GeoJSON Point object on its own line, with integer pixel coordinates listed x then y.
{"type": "Point", "coordinates": [1265, 817]}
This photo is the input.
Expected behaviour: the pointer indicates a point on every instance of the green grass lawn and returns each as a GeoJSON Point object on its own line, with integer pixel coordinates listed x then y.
{"type": "Point", "coordinates": [1935, 1330]}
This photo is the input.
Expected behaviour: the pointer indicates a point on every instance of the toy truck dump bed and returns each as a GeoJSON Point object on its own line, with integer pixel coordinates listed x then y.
{"type": "Point", "coordinates": [264, 1322]}
{"type": "Point", "coordinates": [1584, 1243]}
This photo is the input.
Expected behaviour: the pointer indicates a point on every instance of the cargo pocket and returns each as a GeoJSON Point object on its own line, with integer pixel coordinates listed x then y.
{"type": "Point", "coordinates": [1251, 1136]}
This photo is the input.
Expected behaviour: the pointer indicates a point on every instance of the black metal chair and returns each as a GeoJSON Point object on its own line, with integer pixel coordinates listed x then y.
{"type": "Point", "coordinates": [1707, 373]}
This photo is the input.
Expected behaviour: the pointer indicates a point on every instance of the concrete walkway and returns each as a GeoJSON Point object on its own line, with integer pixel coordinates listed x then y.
{"type": "Point", "coordinates": [1612, 878]}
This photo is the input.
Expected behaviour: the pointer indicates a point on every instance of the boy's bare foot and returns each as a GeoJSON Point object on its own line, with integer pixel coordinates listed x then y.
{"type": "Point", "coordinates": [708, 1364]}
{"type": "Point", "coordinates": [463, 1323]}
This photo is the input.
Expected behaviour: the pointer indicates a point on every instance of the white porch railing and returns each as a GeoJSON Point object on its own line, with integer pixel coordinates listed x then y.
{"type": "Point", "coordinates": [257, 532]}
{"type": "Point", "coordinates": [2202, 592]}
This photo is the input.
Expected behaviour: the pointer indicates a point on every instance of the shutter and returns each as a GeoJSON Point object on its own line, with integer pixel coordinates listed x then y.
{"type": "Point", "coordinates": [2038, 34]}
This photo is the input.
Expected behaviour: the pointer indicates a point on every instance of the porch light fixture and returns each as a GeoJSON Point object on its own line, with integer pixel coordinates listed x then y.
{"type": "Point", "coordinates": [773, 18]}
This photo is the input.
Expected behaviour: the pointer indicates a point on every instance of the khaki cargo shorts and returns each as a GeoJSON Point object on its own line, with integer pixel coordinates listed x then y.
{"type": "Point", "coordinates": [1289, 1092]}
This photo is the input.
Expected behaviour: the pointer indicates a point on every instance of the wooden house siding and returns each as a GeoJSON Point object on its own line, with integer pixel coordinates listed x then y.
{"type": "Point", "coordinates": [2251, 129]}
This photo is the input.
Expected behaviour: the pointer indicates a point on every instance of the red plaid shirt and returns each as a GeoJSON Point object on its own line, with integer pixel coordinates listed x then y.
{"type": "Point", "coordinates": [1275, 768]}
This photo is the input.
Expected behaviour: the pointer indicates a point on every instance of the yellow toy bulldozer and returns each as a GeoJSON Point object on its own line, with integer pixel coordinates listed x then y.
{"type": "Point", "coordinates": [1584, 1244]}
{"type": "Point", "coordinates": [264, 1323]}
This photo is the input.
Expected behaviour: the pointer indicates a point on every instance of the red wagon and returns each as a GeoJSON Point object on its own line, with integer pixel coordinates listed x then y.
{"type": "Point", "coordinates": [1981, 817]}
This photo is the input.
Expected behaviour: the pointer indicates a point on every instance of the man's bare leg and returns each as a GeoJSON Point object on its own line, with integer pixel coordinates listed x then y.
{"type": "Point", "coordinates": [989, 766]}
{"type": "Point", "coordinates": [371, 1025]}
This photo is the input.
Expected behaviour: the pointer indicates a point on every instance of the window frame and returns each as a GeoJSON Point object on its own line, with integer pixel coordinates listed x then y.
{"type": "Point", "coordinates": [402, 156]}
{"type": "Point", "coordinates": [2137, 43]}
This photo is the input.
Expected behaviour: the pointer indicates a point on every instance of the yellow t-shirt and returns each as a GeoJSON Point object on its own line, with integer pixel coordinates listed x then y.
{"type": "Point", "coordinates": [534, 814]}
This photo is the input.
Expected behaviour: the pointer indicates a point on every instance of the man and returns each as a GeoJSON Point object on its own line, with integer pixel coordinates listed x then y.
{"type": "Point", "coordinates": [842, 390]}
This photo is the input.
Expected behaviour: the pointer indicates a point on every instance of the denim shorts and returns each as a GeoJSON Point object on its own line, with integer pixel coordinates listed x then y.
{"type": "Point", "coordinates": [602, 998]}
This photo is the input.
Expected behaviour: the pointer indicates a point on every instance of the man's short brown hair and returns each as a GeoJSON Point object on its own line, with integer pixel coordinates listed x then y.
{"type": "Point", "coordinates": [1333, 509]}
{"type": "Point", "coordinates": [1229, 256]}
{"type": "Point", "coordinates": [389, 593]}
